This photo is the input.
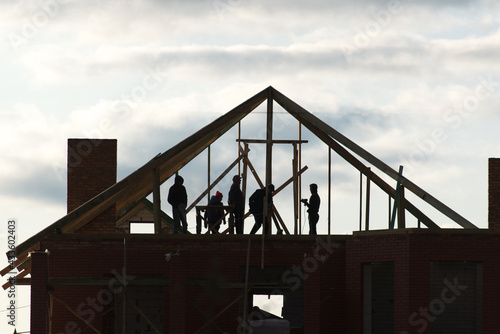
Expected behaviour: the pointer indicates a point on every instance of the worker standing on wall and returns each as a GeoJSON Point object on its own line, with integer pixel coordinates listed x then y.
{"type": "Point", "coordinates": [313, 208]}
{"type": "Point", "coordinates": [177, 197]}
{"type": "Point", "coordinates": [256, 202]}
{"type": "Point", "coordinates": [237, 201]}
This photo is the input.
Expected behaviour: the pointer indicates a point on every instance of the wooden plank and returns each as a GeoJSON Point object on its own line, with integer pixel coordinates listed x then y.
{"type": "Point", "coordinates": [20, 258]}
{"type": "Point", "coordinates": [401, 211]}
{"type": "Point", "coordinates": [273, 141]}
{"type": "Point", "coordinates": [329, 189]}
{"type": "Point", "coordinates": [23, 273]}
{"type": "Point", "coordinates": [360, 200]}
{"type": "Point", "coordinates": [254, 173]}
{"type": "Point", "coordinates": [300, 177]}
{"type": "Point", "coordinates": [208, 174]}
{"type": "Point", "coordinates": [397, 198]}
{"type": "Point", "coordinates": [266, 223]}
{"type": "Point", "coordinates": [317, 126]}
{"type": "Point", "coordinates": [290, 180]}
{"type": "Point", "coordinates": [277, 217]}
{"type": "Point", "coordinates": [244, 183]}
{"type": "Point", "coordinates": [277, 190]}
{"type": "Point", "coordinates": [367, 209]}
{"type": "Point", "coordinates": [221, 176]}
{"type": "Point", "coordinates": [20, 281]}
{"type": "Point", "coordinates": [296, 199]}
{"type": "Point", "coordinates": [269, 158]}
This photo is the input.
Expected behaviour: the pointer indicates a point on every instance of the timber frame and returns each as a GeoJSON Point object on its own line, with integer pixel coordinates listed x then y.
{"type": "Point", "coordinates": [133, 189]}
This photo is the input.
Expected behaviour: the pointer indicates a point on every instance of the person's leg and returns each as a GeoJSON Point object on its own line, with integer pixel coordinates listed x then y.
{"type": "Point", "coordinates": [238, 220]}
{"type": "Point", "coordinates": [176, 216]}
{"type": "Point", "coordinates": [182, 214]}
{"type": "Point", "coordinates": [313, 220]}
{"type": "Point", "coordinates": [258, 223]}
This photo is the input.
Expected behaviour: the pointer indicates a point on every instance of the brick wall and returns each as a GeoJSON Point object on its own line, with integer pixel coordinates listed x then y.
{"type": "Point", "coordinates": [205, 279]}
{"type": "Point", "coordinates": [494, 193]}
{"type": "Point", "coordinates": [91, 170]}
{"type": "Point", "coordinates": [39, 295]}
{"type": "Point", "coordinates": [413, 253]}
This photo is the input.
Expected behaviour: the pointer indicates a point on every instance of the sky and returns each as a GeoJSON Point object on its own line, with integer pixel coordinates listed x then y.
{"type": "Point", "coordinates": [415, 83]}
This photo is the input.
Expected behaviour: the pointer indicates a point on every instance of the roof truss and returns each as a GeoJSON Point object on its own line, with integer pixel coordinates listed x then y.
{"type": "Point", "coordinates": [131, 190]}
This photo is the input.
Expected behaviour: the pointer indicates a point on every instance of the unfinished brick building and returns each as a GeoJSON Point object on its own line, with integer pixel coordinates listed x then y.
{"type": "Point", "coordinates": [89, 274]}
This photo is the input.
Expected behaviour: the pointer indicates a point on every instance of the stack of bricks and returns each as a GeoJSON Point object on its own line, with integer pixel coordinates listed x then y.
{"type": "Point", "coordinates": [91, 170]}
{"type": "Point", "coordinates": [494, 194]}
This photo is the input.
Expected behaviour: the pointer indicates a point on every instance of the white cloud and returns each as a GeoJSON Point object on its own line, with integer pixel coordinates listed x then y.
{"type": "Point", "coordinates": [150, 73]}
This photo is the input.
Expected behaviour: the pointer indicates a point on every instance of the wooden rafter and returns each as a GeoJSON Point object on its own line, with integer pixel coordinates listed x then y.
{"type": "Point", "coordinates": [135, 187]}
{"type": "Point", "coordinates": [317, 126]}
{"type": "Point", "coordinates": [138, 185]}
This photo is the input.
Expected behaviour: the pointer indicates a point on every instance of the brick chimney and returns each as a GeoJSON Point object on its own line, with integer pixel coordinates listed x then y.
{"type": "Point", "coordinates": [91, 170]}
{"type": "Point", "coordinates": [494, 194]}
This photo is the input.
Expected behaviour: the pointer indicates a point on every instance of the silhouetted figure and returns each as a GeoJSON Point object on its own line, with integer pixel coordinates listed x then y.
{"type": "Point", "coordinates": [212, 215]}
{"type": "Point", "coordinates": [313, 208]}
{"type": "Point", "coordinates": [256, 202]}
{"type": "Point", "coordinates": [237, 201]}
{"type": "Point", "coordinates": [177, 197]}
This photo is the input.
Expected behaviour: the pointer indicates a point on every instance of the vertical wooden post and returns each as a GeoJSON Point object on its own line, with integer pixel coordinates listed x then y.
{"type": "Point", "coordinates": [198, 221]}
{"type": "Point", "coordinates": [269, 168]}
{"type": "Point", "coordinates": [208, 172]}
{"type": "Point", "coordinates": [329, 189]}
{"type": "Point", "coordinates": [269, 151]}
{"type": "Point", "coordinates": [389, 217]}
{"type": "Point", "coordinates": [295, 189]}
{"type": "Point", "coordinates": [244, 182]}
{"type": "Point", "coordinates": [299, 166]}
{"type": "Point", "coordinates": [367, 213]}
{"type": "Point", "coordinates": [156, 200]}
{"type": "Point", "coordinates": [360, 200]}
{"type": "Point", "coordinates": [239, 147]}
{"type": "Point", "coordinates": [396, 198]}
{"type": "Point", "coordinates": [401, 209]}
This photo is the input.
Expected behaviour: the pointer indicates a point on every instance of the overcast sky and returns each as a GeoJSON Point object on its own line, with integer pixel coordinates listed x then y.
{"type": "Point", "coordinates": [416, 83]}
